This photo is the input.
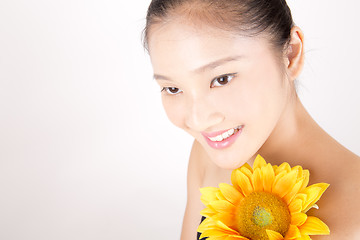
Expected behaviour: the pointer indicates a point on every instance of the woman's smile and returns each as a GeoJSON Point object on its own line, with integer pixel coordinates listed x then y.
{"type": "Point", "coordinates": [223, 139]}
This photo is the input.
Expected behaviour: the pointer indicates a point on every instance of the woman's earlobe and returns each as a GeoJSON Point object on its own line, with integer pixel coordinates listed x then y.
{"type": "Point", "coordinates": [295, 53]}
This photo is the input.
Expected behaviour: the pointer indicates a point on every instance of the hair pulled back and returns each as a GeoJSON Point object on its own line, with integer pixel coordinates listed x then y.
{"type": "Point", "coordinates": [245, 17]}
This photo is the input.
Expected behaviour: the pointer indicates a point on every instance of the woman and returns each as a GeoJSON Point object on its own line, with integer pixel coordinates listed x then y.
{"type": "Point", "coordinates": [226, 71]}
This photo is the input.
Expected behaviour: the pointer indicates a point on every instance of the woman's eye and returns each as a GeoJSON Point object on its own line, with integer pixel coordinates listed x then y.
{"type": "Point", "coordinates": [221, 81]}
{"type": "Point", "coordinates": [171, 90]}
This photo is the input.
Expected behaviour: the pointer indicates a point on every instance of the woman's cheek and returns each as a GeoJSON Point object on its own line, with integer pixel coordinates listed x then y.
{"type": "Point", "coordinates": [234, 100]}
{"type": "Point", "coordinates": [174, 110]}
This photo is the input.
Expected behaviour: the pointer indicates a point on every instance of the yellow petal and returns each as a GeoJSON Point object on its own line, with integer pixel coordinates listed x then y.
{"type": "Point", "coordinates": [313, 193]}
{"type": "Point", "coordinates": [208, 194]}
{"type": "Point", "coordinates": [217, 238]}
{"type": "Point", "coordinates": [279, 176]}
{"type": "Point", "coordinates": [247, 172]}
{"type": "Point", "coordinates": [234, 180]}
{"type": "Point", "coordinates": [293, 232]}
{"type": "Point", "coordinates": [247, 166]}
{"type": "Point", "coordinates": [244, 183]}
{"type": "Point", "coordinates": [220, 196]}
{"type": "Point", "coordinates": [295, 206]}
{"type": "Point", "coordinates": [274, 235]}
{"type": "Point", "coordinates": [222, 206]}
{"type": "Point", "coordinates": [300, 171]}
{"type": "Point", "coordinates": [304, 237]}
{"type": "Point", "coordinates": [284, 184]}
{"type": "Point", "coordinates": [236, 238]}
{"type": "Point", "coordinates": [208, 223]}
{"type": "Point", "coordinates": [259, 162]}
{"type": "Point", "coordinates": [230, 193]}
{"type": "Point", "coordinates": [301, 196]}
{"type": "Point", "coordinates": [209, 190]}
{"type": "Point", "coordinates": [290, 195]}
{"type": "Point", "coordinates": [298, 219]}
{"type": "Point", "coordinates": [306, 175]}
{"type": "Point", "coordinates": [314, 226]}
{"type": "Point", "coordinates": [268, 177]}
{"type": "Point", "coordinates": [217, 230]}
{"type": "Point", "coordinates": [208, 212]}
{"type": "Point", "coordinates": [283, 167]}
{"type": "Point", "coordinates": [257, 180]}
{"type": "Point", "coordinates": [223, 226]}
{"type": "Point", "coordinates": [227, 218]}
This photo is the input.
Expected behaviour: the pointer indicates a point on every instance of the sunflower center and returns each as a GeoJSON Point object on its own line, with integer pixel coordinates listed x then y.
{"type": "Point", "coordinates": [260, 211]}
{"type": "Point", "coordinates": [262, 217]}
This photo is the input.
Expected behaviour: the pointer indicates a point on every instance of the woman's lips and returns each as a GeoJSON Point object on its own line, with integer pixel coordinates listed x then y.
{"type": "Point", "coordinates": [223, 139]}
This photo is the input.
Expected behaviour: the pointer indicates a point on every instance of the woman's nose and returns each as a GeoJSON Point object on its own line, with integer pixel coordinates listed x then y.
{"type": "Point", "coordinates": [201, 115]}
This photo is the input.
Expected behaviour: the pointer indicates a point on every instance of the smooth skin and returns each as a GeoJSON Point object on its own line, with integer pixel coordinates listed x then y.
{"type": "Point", "coordinates": [213, 80]}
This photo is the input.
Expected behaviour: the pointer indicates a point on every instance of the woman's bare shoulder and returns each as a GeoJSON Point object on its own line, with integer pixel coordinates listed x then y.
{"type": "Point", "coordinates": [339, 206]}
{"type": "Point", "coordinates": [346, 169]}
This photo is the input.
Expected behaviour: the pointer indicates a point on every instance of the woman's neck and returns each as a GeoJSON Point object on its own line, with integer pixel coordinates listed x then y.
{"type": "Point", "coordinates": [295, 139]}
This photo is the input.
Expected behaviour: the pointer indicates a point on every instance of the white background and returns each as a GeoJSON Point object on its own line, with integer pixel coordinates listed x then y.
{"type": "Point", "coordinates": [86, 151]}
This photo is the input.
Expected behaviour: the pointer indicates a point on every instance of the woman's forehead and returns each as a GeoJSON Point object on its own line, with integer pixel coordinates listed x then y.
{"type": "Point", "coordinates": [181, 30]}
{"type": "Point", "coordinates": [174, 43]}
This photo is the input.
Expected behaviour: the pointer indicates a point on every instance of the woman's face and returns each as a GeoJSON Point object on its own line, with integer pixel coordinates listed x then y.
{"type": "Point", "coordinates": [227, 91]}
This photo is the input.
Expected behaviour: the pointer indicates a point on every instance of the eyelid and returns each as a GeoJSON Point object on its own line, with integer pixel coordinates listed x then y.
{"type": "Point", "coordinates": [231, 75]}
{"type": "Point", "coordinates": [169, 93]}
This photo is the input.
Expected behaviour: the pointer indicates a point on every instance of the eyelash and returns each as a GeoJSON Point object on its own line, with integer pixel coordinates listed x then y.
{"type": "Point", "coordinates": [168, 90]}
{"type": "Point", "coordinates": [228, 77]}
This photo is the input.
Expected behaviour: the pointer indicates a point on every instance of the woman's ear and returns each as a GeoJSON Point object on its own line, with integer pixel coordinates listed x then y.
{"type": "Point", "coordinates": [295, 53]}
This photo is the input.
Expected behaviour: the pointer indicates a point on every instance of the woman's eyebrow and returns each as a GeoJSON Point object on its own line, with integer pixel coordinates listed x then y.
{"type": "Point", "coordinates": [217, 63]}
{"type": "Point", "coordinates": [207, 66]}
{"type": "Point", "coordinates": [160, 77]}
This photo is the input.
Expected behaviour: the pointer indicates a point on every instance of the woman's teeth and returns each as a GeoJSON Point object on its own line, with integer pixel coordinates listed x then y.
{"type": "Point", "coordinates": [225, 135]}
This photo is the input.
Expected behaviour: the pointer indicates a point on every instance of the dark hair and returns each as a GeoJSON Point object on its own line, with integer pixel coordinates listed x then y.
{"type": "Point", "coordinates": [247, 17]}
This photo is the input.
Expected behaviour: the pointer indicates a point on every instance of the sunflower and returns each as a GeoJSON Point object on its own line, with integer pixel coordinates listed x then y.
{"type": "Point", "coordinates": [263, 203]}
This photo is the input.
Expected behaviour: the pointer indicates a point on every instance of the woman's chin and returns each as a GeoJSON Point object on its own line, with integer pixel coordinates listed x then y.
{"type": "Point", "coordinates": [229, 162]}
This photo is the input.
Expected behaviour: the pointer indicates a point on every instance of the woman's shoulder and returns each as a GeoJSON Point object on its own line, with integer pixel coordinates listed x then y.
{"type": "Point", "coordinates": [339, 206]}
{"type": "Point", "coordinates": [345, 166]}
